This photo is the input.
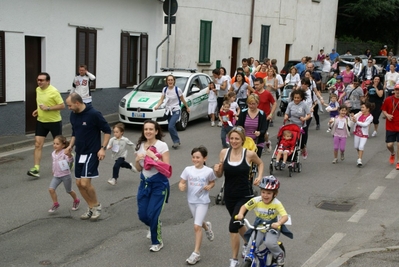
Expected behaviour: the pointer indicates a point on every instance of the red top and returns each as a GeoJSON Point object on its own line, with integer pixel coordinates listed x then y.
{"type": "Point", "coordinates": [227, 116]}
{"type": "Point", "coordinates": [391, 106]}
{"type": "Point", "coordinates": [265, 101]}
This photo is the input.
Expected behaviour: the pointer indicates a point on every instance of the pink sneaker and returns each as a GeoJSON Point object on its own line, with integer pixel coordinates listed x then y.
{"type": "Point", "coordinates": [305, 154]}
{"type": "Point", "coordinates": [76, 203]}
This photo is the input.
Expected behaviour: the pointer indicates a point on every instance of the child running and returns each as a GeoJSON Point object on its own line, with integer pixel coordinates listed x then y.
{"type": "Point", "coordinates": [226, 116]}
{"type": "Point", "coordinates": [362, 122]}
{"type": "Point", "coordinates": [118, 145]}
{"type": "Point", "coordinates": [332, 108]}
{"type": "Point", "coordinates": [284, 148]}
{"type": "Point", "coordinates": [268, 209]}
{"type": "Point", "coordinates": [198, 179]}
{"type": "Point", "coordinates": [339, 89]}
{"type": "Point", "coordinates": [231, 97]}
{"type": "Point", "coordinates": [61, 173]}
{"type": "Point", "coordinates": [340, 130]}
{"type": "Point", "coordinates": [212, 102]}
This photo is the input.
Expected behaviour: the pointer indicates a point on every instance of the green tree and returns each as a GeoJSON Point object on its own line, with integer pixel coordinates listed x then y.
{"type": "Point", "coordinates": [375, 20]}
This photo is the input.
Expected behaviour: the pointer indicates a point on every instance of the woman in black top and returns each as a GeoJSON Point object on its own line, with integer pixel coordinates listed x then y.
{"type": "Point", "coordinates": [375, 94]}
{"type": "Point", "coordinates": [235, 163]}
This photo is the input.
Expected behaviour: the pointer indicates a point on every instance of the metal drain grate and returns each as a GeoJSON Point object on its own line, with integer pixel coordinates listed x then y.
{"type": "Point", "coordinates": [334, 206]}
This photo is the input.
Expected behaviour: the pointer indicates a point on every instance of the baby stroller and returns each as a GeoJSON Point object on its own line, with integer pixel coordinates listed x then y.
{"type": "Point", "coordinates": [293, 159]}
{"type": "Point", "coordinates": [285, 99]}
{"type": "Point", "coordinates": [250, 145]}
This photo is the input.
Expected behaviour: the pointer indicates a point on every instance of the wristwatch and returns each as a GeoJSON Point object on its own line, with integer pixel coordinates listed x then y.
{"type": "Point", "coordinates": [48, 108]}
{"type": "Point", "coordinates": [103, 147]}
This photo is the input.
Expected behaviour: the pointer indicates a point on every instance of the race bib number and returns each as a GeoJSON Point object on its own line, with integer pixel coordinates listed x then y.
{"type": "Point", "coordinates": [115, 148]}
{"type": "Point", "coordinates": [82, 158]}
{"type": "Point", "coordinates": [63, 165]}
{"type": "Point", "coordinates": [341, 125]}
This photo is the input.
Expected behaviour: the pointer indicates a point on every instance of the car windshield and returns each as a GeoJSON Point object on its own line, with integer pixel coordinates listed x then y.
{"type": "Point", "coordinates": [379, 60]}
{"type": "Point", "coordinates": [156, 83]}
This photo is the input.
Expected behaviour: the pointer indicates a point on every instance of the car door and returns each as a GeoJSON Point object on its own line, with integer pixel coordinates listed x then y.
{"type": "Point", "coordinates": [194, 97]}
{"type": "Point", "coordinates": [204, 80]}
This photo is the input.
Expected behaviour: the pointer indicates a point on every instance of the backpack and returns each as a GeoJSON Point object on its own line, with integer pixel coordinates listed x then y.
{"type": "Point", "coordinates": [177, 93]}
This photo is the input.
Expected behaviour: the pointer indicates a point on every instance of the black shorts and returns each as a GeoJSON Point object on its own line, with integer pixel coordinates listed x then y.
{"type": "Point", "coordinates": [233, 206]}
{"type": "Point", "coordinates": [43, 128]}
{"type": "Point", "coordinates": [391, 137]}
{"type": "Point", "coordinates": [86, 166]}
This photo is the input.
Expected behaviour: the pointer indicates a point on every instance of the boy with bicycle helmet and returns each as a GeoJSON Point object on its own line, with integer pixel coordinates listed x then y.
{"type": "Point", "coordinates": [267, 207]}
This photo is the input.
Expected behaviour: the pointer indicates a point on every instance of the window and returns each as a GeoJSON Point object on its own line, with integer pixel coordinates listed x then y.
{"type": "Point", "coordinates": [205, 42]}
{"type": "Point", "coordinates": [86, 50]}
{"type": "Point", "coordinates": [264, 42]}
{"type": "Point", "coordinates": [2, 70]}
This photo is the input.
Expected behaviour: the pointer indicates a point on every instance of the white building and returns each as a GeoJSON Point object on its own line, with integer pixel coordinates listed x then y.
{"type": "Point", "coordinates": [280, 29]}
{"type": "Point", "coordinates": [115, 39]}
{"type": "Point", "coordinates": [118, 41]}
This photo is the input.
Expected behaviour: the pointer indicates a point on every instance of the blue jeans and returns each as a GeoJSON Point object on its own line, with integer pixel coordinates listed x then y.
{"type": "Point", "coordinates": [172, 119]}
{"type": "Point", "coordinates": [119, 163]}
{"type": "Point", "coordinates": [223, 133]}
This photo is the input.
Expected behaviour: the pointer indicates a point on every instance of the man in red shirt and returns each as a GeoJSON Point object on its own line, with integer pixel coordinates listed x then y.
{"type": "Point", "coordinates": [390, 108]}
{"type": "Point", "coordinates": [267, 104]}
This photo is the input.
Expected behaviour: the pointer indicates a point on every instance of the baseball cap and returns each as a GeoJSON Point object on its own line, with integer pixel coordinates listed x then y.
{"type": "Point", "coordinates": [396, 86]}
{"type": "Point", "coordinates": [333, 49]}
{"type": "Point", "coordinates": [385, 46]}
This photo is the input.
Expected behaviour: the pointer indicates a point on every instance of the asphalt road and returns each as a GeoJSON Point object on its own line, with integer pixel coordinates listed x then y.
{"type": "Point", "coordinates": [30, 236]}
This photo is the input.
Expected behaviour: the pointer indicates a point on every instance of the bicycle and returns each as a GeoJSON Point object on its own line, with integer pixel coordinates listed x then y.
{"type": "Point", "coordinates": [263, 257]}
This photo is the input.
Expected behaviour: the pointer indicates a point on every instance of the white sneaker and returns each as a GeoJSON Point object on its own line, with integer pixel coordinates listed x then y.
{"type": "Point", "coordinates": [359, 163]}
{"type": "Point", "coordinates": [335, 161]}
{"type": "Point", "coordinates": [95, 214]}
{"type": "Point", "coordinates": [328, 130]}
{"type": "Point", "coordinates": [209, 233]}
{"type": "Point", "coordinates": [112, 181]}
{"type": "Point", "coordinates": [233, 263]}
{"type": "Point", "coordinates": [220, 124]}
{"type": "Point", "coordinates": [133, 169]}
{"type": "Point", "coordinates": [212, 123]}
{"type": "Point", "coordinates": [157, 247]}
{"type": "Point", "coordinates": [374, 134]}
{"type": "Point", "coordinates": [149, 234]}
{"type": "Point", "coordinates": [193, 259]}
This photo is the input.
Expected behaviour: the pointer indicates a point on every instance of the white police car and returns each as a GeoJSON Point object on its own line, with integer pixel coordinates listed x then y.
{"type": "Point", "coordinates": [138, 105]}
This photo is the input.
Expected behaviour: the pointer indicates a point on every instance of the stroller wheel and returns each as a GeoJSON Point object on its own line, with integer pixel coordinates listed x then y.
{"type": "Point", "coordinates": [299, 167]}
{"type": "Point", "coordinates": [218, 199]}
{"type": "Point", "coordinates": [290, 171]}
{"type": "Point", "coordinates": [279, 114]}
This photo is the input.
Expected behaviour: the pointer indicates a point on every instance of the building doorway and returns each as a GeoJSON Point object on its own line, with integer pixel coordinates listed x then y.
{"type": "Point", "coordinates": [33, 66]}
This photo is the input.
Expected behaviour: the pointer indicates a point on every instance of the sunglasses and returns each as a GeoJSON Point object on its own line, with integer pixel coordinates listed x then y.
{"type": "Point", "coordinates": [238, 129]}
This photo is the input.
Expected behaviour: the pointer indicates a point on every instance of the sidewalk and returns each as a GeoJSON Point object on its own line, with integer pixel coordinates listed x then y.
{"type": "Point", "coordinates": [8, 143]}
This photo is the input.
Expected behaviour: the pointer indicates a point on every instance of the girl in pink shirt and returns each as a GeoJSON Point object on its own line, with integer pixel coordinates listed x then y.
{"type": "Point", "coordinates": [61, 173]}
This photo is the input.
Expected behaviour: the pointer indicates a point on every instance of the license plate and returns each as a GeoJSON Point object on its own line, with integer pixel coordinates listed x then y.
{"type": "Point", "coordinates": [138, 115]}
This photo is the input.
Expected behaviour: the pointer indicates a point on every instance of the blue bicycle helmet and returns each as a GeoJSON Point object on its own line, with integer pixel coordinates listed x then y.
{"type": "Point", "coordinates": [339, 77]}
{"type": "Point", "coordinates": [270, 183]}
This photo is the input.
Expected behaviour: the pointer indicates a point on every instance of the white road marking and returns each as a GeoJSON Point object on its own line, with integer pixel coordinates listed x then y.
{"type": "Point", "coordinates": [377, 193]}
{"type": "Point", "coordinates": [392, 174]}
{"type": "Point", "coordinates": [357, 216]}
{"type": "Point", "coordinates": [324, 250]}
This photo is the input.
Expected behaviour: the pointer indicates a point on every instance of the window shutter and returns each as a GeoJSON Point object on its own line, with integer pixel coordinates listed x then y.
{"type": "Point", "coordinates": [143, 56]}
{"type": "Point", "coordinates": [2, 69]}
{"type": "Point", "coordinates": [125, 39]}
{"type": "Point", "coordinates": [86, 50]}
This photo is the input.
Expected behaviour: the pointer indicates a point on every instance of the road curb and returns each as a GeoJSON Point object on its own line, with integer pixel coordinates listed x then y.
{"type": "Point", "coordinates": [344, 258]}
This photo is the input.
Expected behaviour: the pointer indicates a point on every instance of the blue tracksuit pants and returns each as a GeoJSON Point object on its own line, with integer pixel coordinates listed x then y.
{"type": "Point", "coordinates": [152, 194]}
